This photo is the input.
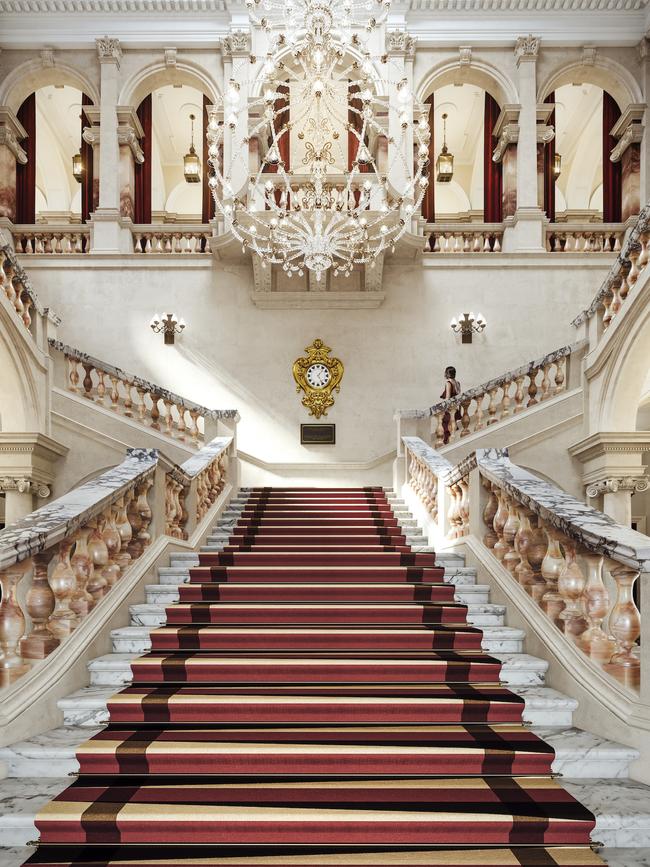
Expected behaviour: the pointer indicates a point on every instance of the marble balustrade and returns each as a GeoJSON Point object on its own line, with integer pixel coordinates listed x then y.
{"type": "Point", "coordinates": [577, 564]}
{"type": "Point", "coordinates": [463, 238]}
{"type": "Point", "coordinates": [623, 275]}
{"type": "Point", "coordinates": [54, 240]}
{"type": "Point", "coordinates": [497, 399]}
{"type": "Point", "coordinates": [135, 398]}
{"type": "Point", "coordinates": [590, 238]}
{"type": "Point", "coordinates": [172, 239]}
{"type": "Point", "coordinates": [58, 563]}
{"type": "Point", "coordinates": [19, 291]}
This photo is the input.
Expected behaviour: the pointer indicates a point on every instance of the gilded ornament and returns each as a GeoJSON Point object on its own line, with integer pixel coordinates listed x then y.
{"type": "Point", "coordinates": [318, 375]}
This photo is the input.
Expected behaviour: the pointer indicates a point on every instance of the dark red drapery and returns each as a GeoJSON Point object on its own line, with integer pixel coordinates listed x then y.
{"type": "Point", "coordinates": [612, 179]}
{"type": "Point", "coordinates": [26, 174]}
{"type": "Point", "coordinates": [429, 200]}
{"type": "Point", "coordinates": [282, 106]}
{"type": "Point", "coordinates": [207, 208]}
{"type": "Point", "coordinates": [142, 204]}
{"type": "Point", "coordinates": [492, 172]}
{"type": "Point", "coordinates": [87, 204]}
{"type": "Point", "coordinates": [355, 120]}
{"type": "Point", "coordinates": [549, 159]}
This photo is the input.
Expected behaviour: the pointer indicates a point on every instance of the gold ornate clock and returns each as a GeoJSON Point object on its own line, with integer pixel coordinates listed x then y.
{"type": "Point", "coordinates": [318, 376]}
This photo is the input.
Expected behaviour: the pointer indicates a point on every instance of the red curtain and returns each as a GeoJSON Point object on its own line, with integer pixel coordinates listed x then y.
{"type": "Point", "coordinates": [207, 209]}
{"type": "Point", "coordinates": [142, 205]}
{"type": "Point", "coordinates": [87, 204]}
{"type": "Point", "coordinates": [492, 172]}
{"type": "Point", "coordinates": [612, 178]}
{"type": "Point", "coordinates": [357, 123]}
{"type": "Point", "coordinates": [282, 105]}
{"type": "Point", "coordinates": [26, 175]}
{"type": "Point", "coordinates": [549, 158]}
{"type": "Point", "coordinates": [429, 200]}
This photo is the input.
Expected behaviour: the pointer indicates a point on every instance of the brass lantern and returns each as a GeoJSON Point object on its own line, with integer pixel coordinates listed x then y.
{"type": "Point", "coordinates": [445, 161]}
{"type": "Point", "coordinates": [191, 162]}
{"type": "Point", "coordinates": [78, 167]}
{"type": "Point", "coordinates": [557, 166]}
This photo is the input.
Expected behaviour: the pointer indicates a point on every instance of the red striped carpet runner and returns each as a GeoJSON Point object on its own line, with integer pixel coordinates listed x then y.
{"type": "Point", "coordinates": [316, 698]}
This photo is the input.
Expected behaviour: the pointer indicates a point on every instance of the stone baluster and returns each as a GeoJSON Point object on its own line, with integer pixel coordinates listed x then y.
{"type": "Point", "coordinates": [478, 413]}
{"type": "Point", "coordinates": [571, 584]}
{"type": "Point", "coordinates": [142, 406]}
{"type": "Point", "coordinates": [111, 537]}
{"type": "Point", "coordinates": [492, 407]}
{"type": "Point", "coordinates": [505, 400]}
{"type": "Point", "coordinates": [88, 380]}
{"type": "Point", "coordinates": [12, 622]}
{"type": "Point", "coordinates": [633, 253]}
{"type": "Point", "coordinates": [625, 619]}
{"type": "Point", "coordinates": [194, 427]}
{"type": "Point", "coordinates": [535, 552]}
{"type": "Point", "coordinates": [552, 566]}
{"type": "Point", "coordinates": [97, 585]}
{"type": "Point", "coordinates": [101, 386]}
{"type": "Point", "coordinates": [173, 508]}
{"type": "Point", "coordinates": [453, 513]}
{"type": "Point", "coordinates": [73, 373]}
{"type": "Point", "coordinates": [181, 425]}
{"type": "Point", "coordinates": [465, 419]}
{"type": "Point", "coordinates": [154, 412]}
{"type": "Point", "coordinates": [595, 640]}
{"type": "Point", "coordinates": [560, 375]}
{"type": "Point", "coordinates": [39, 603]}
{"type": "Point", "coordinates": [464, 506]}
{"type": "Point", "coordinates": [624, 288]}
{"type": "Point", "coordinates": [532, 387]}
{"type": "Point", "coordinates": [501, 516]}
{"type": "Point", "coordinates": [143, 510]}
{"type": "Point", "coordinates": [523, 570]}
{"type": "Point", "coordinates": [114, 393]}
{"type": "Point", "coordinates": [546, 382]}
{"type": "Point", "coordinates": [128, 402]}
{"type": "Point", "coordinates": [123, 526]}
{"type": "Point", "coordinates": [511, 557]}
{"type": "Point", "coordinates": [63, 582]}
{"type": "Point", "coordinates": [440, 430]}
{"type": "Point", "coordinates": [82, 564]}
{"type": "Point", "coordinates": [491, 505]}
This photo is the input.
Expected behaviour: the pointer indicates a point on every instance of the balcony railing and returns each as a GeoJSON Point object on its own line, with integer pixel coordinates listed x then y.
{"type": "Point", "coordinates": [463, 237]}
{"type": "Point", "coordinates": [172, 238]}
{"type": "Point", "coordinates": [51, 239]}
{"type": "Point", "coordinates": [586, 238]}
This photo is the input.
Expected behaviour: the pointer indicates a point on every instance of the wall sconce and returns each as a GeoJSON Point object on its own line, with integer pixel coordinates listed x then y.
{"type": "Point", "coordinates": [468, 324]}
{"type": "Point", "coordinates": [78, 168]}
{"type": "Point", "coordinates": [170, 326]}
{"type": "Point", "coordinates": [445, 161]}
{"type": "Point", "coordinates": [191, 162]}
{"type": "Point", "coordinates": [557, 166]}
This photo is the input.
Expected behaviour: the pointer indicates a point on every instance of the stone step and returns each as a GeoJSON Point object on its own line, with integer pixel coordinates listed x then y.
{"type": "Point", "coordinates": [22, 798]}
{"type": "Point", "coordinates": [544, 706]}
{"type": "Point", "coordinates": [479, 614]}
{"type": "Point", "coordinates": [519, 669]}
{"type": "Point", "coordinates": [578, 754]}
{"type": "Point", "coordinates": [167, 594]}
{"type": "Point", "coordinates": [496, 639]}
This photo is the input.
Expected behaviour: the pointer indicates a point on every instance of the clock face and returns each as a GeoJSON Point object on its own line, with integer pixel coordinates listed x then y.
{"type": "Point", "coordinates": [318, 375]}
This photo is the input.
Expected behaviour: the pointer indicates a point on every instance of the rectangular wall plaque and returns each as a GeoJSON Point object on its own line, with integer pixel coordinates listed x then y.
{"type": "Point", "coordinates": [318, 434]}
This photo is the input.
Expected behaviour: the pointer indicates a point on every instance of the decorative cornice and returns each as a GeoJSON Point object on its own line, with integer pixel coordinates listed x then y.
{"type": "Point", "coordinates": [134, 7]}
{"type": "Point", "coordinates": [400, 42]}
{"type": "Point", "coordinates": [527, 48]}
{"type": "Point", "coordinates": [109, 50]}
{"type": "Point", "coordinates": [615, 442]}
{"type": "Point", "coordinates": [634, 484]}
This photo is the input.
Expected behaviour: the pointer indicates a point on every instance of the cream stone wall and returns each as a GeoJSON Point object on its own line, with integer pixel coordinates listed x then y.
{"type": "Point", "coordinates": [234, 354]}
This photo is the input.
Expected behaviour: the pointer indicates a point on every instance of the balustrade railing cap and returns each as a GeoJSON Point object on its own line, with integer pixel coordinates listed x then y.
{"type": "Point", "coordinates": [9, 253]}
{"type": "Point", "coordinates": [592, 529]}
{"type": "Point", "coordinates": [186, 472]}
{"type": "Point", "coordinates": [158, 390]}
{"type": "Point", "coordinates": [483, 388]}
{"type": "Point", "coordinates": [64, 516]}
{"type": "Point", "coordinates": [642, 224]}
{"type": "Point", "coordinates": [438, 465]}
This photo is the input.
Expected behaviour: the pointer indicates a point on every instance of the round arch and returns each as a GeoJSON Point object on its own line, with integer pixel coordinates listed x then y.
{"type": "Point", "coordinates": [150, 78]}
{"type": "Point", "coordinates": [604, 73]}
{"type": "Point", "coordinates": [479, 73]}
{"type": "Point", "coordinates": [32, 75]}
{"type": "Point", "coordinates": [19, 409]}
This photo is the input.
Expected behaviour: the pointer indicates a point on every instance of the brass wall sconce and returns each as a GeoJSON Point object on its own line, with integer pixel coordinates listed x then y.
{"type": "Point", "coordinates": [557, 166]}
{"type": "Point", "coordinates": [78, 168]}
{"type": "Point", "coordinates": [468, 325]}
{"type": "Point", "coordinates": [169, 325]}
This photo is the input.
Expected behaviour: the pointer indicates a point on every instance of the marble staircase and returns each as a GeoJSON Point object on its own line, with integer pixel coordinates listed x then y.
{"type": "Point", "coordinates": [592, 768]}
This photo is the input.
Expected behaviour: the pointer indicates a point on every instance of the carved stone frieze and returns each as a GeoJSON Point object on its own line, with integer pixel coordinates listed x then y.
{"type": "Point", "coordinates": [109, 50]}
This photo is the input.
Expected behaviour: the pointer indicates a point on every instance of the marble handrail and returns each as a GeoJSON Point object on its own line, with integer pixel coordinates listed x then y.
{"type": "Point", "coordinates": [497, 399]}
{"type": "Point", "coordinates": [58, 563]}
{"type": "Point", "coordinates": [552, 544]}
{"type": "Point", "coordinates": [463, 237]}
{"type": "Point", "coordinates": [18, 288]}
{"type": "Point", "coordinates": [154, 406]}
{"type": "Point", "coordinates": [623, 274]}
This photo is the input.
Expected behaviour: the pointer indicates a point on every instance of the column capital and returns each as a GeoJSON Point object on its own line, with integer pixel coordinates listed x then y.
{"type": "Point", "coordinates": [23, 485]}
{"type": "Point", "coordinates": [613, 461]}
{"type": "Point", "coordinates": [527, 48]}
{"type": "Point", "coordinates": [109, 50]}
{"type": "Point", "coordinates": [616, 484]}
{"type": "Point", "coordinates": [506, 130]}
{"type": "Point", "coordinates": [400, 43]}
{"type": "Point", "coordinates": [237, 43]}
{"type": "Point", "coordinates": [628, 129]}
{"type": "Point", "coordinates": [12, 132]}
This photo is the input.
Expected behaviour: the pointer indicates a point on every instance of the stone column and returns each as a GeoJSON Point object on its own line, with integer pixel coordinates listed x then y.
{"type": "Point", "coordinates": [129, 133]}
{"type": "Point", "coordinates": [12, 133]}
{"type": "Point", "coordinates": [545, 134]}
{"type": "Point", "coordinates": [236, 48]}
{"type": "Point", "coordinates": [528, 221]}
{"type": "Point", "coordinates": [400, 47]}
{"type": "Point", "coordinates": [506, 131]}
{"type": "Point", "coordinates": [644, 178]}
{"type": "Point", "coordinates": [91, 135]}
{"type": "Point", "coordinates": [20, 494]}
{"type": "Point", "coordinates": [106, 219]}
{"type": "Point", "coordinates": [629, 131]}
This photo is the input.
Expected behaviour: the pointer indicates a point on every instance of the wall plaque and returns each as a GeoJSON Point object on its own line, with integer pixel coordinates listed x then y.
{"type": "Point", "coordinates": [318, 434]}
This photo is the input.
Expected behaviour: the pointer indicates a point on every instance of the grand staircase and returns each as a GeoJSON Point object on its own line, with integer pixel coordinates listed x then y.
{"type": "Point", "coordinates": [322, 690]}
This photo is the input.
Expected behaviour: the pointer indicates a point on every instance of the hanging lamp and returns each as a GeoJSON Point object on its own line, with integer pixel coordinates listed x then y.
{"type": "Point", "coordinates": [445, 161]}
{"type": "Point", "coordinates": [191, 162]}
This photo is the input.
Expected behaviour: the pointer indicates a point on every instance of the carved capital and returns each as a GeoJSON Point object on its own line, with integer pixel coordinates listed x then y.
{"type": "Point", "coordinates": [633, 134]}
{"type": "Point", "coordinates": [400, 42]}
{"type": "Point", "coordinates": [9, 140]}
{"type": "Point", "coordinates": [614, 485]}
{"type": "Point", "coordinates": [237, 42]}
{"type": "Point", "coordinates": [109, 50]}
{"type": "Point", "coordinates": [509, 135]}
{"type": "Point", "coordinates": [126, 135]}
{"type": "Point", "coordinates": [545, 133]}
{"type": "Point", "coordinates": [527, 48]}
{"type": "Point", "coordinates": [24, 486]}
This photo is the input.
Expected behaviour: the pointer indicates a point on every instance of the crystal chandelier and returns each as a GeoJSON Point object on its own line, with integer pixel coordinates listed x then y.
{"type": "Point", "coordinates": [323, 95]}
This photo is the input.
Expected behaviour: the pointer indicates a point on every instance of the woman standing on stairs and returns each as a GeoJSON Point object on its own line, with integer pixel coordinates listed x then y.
{"type": "Point", "coordinates": [452, 389]}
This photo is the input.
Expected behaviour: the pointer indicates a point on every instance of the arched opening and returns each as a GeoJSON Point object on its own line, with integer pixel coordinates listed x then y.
{"type": "Point", "coordinates": [641, 499]}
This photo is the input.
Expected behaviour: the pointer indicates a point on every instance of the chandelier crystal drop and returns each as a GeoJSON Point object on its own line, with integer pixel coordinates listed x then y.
{"type": "Point", "coordinates": [342, 148]}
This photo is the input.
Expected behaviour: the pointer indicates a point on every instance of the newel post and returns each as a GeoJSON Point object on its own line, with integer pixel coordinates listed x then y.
{"type": "Point", "coordinates": [406, 427]}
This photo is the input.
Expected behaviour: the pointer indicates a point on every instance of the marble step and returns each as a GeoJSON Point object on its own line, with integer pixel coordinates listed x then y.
{"type": "Point", "coordinates": [167, 594]}
{"type": "Point", "coordinates": [419, 542]}
{"type": "Point", "coordinates": [519, 669]}
{"type": "Point", "coordinates": [543, 706]}
{"type": "Point", "coordinates": [621, 807]}
{"type": "Point", "coordinates": [578, 754]}
{"type": "Point", "coordinates": [175, 575]}
{"type": "Point", "coordinates": [496, 639]}
{"type": "Point", "coordinates": [478, 614]}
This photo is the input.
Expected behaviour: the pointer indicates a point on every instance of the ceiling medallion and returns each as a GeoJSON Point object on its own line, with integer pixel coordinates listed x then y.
{"type": "Point", "coordinates": [327, 111]}
{"type": "Point", "coordinates": [318, 375]}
